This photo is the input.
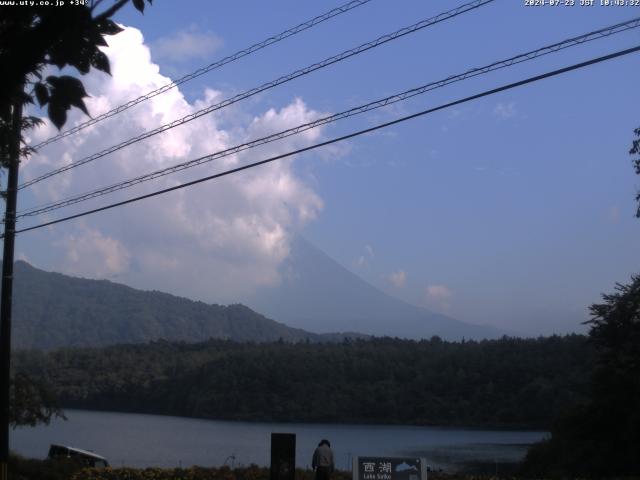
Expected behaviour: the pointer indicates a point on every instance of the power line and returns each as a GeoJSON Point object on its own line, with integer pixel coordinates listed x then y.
{"type": "Point", "coordinates": [266, 86]}
{"type": "Point", "coordinates": [531, 55]}
{"type": "Point", "coordinates": [341, 138]}
{"type": "Point", "coordinates": [201, 71]}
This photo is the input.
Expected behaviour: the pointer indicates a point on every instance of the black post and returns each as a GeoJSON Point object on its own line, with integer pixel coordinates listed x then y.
{"type": "Point", "coordinates": [283, 456]}
{"type": "Point", "coordinates": [7, 286]}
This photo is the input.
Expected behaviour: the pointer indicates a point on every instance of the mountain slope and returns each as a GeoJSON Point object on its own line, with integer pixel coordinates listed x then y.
{"type": "Point", "coordinates": [51, 310]}
{"type": "Point", "coordinates": [319, 294]}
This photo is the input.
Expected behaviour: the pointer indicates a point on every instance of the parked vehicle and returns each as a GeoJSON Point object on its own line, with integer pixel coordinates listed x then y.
{"type": "Point", "coordinates": [86, 457]}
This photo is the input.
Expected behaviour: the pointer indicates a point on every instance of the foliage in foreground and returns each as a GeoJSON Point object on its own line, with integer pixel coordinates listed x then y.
{"type": "Point", "coordinates": [24, 469]}
{"type": "Point", "coordinates": [32, 469]}
{"type": "Point", "coordinates": [508, 382]}
{"type": "Point", "coordinates": [192, 473]}
{"type": "Point", "coordinates": [602, 437]}
{"type": "Point", "coordinates": [635, 150]}
{"type": "Point", "coordinates": [29, 469]}
{"type": "Point", "coordinates": [31, 403]}
{"type": "Point", "coordinates": [35, 38]}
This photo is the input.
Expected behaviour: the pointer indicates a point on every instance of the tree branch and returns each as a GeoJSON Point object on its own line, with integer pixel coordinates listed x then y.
{"type": "Point", "coordinates": [110, 11]}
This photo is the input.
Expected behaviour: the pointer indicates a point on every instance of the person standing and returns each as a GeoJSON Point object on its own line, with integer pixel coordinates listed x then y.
{"type": "Point", "coordinates": [322, 461]}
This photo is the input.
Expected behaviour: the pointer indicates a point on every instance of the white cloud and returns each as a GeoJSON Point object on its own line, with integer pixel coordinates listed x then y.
{"type": "Point", "coordinates": [185, 45]}
{"type": "Point", "coordinates": [439, 296]}
{"type": "Point", "coordinates": [398, 278]}
{"type": "Point", "coordinates": [214, 241]}
{"type": "Point", "coordinates": [90, 253]}
{"type": "Point", "coordinates": [505, 110]}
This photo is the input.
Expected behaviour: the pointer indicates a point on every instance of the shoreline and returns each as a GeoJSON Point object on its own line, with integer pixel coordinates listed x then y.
{"type": "Point", "coordinates": [262, 421]}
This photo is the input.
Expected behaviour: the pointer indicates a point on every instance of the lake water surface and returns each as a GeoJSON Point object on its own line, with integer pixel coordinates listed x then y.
{"type": "Point", "coordinates": [151, 440]}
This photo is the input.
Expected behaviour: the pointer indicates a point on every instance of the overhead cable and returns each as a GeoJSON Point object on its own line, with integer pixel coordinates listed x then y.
{"type": "Point", "coordinates": [266, 86]}
{"type": "Point", "coordinates": [523, 57]}
{"type": "Point", "coordinates": [201, 71]}
{"type": "Point", "coordinates": [338, 139]}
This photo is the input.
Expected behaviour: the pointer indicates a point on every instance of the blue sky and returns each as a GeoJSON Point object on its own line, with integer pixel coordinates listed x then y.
{"type": "Point", "coordinates": [514, 210]}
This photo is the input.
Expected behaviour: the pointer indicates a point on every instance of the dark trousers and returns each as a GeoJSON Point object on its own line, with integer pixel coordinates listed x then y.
{"type": "Point", "coordinates": [323, 473]}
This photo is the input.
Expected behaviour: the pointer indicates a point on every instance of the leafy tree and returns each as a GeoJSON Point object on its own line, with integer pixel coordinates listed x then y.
{"type": "Point", "coordinates": [34, 39]}
{"type": "Point", "coordinates": [32, 402]}
{"type": "Point", "coordinates": [602, 437]}
{"type": "Point", "coordinates": [615, 332]}
{"type": "Point", "coordinates": [635, 150]}
{"type": "Point", "coordinates": [507, 382]}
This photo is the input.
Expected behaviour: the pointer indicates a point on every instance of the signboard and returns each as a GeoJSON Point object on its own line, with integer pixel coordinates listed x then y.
{"type": "Point", "coordinates": [389, 468]}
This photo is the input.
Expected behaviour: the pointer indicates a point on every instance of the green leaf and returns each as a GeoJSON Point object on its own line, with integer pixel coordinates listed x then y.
{"type": "Point", "coordinates": [30, 122]}
{"type": "Point", "coordinates": [79, 103]}
{"type": "Point", "coordinates": [26, 99]}
{"type": "Point", "coordinates": [139, 4]}
{"type": "Point", "coordinates": [56, 58]}
{"type": "Point", "coordinates": [42, 93]}
{"type": "Point", "coordinates": [53, 81]}
{"type": "Point", "coordinates": [65, 92]}
{"type": "Point", "coordinates": [109, 27]}
{"type": "Point", "coordinates": [70, 85]}
{"type": "Point", "coordinates": [82, 63]}
{"type": "Point", "coordinates": [100, 61]}
{"type": "Point", "coordinates": [96, 37]}
{"type": "Point", "coordinates": [57, 114]}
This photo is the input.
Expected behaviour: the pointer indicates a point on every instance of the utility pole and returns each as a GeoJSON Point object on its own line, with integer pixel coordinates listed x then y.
{"type": "Point", "coordinates": [7, 284]}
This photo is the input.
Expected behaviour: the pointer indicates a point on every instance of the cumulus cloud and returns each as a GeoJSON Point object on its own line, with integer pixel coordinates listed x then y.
{"type": "Point", "coordinates": [439, 296]}
{"type": "Point", "coordinates": [398, 278]}
{"type": "Point", "coordinates": [186, 45]}
{"type": "Point", "coordinates": [505, 111]}
{"type": "Point", "coordinates": [215, 241]}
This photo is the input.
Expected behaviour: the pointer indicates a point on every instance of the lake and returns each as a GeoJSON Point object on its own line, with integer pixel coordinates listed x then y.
{"type": "Point", "coordinates": [150, 440]}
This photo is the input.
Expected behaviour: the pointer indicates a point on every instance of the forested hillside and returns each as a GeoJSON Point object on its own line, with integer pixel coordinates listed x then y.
{"type": "Point", "coordinates": [508, 382]}
{"type": "Point", "coordinates": [52, 310]}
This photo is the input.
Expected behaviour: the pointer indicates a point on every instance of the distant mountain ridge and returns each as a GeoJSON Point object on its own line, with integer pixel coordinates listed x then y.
{"type": "Point", "coordinates": [319, 294]}
{"type": "Point", "coordinates": [52, 310]}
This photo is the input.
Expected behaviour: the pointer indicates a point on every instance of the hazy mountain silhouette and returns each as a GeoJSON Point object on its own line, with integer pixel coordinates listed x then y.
{"type": "Point", "coordinates": [52, 310]}
{"type": "Point", "coordinates": [317, 294]}
{"type": "Point", "coordinates": [320, 295]}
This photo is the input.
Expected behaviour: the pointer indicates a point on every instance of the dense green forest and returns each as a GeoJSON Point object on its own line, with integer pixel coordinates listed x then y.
{"type": "Point", "coordinates": [508, 382]}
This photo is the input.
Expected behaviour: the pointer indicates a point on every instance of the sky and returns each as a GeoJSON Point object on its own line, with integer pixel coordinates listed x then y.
{"type": "Point", "coordinates": [514, 210]}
